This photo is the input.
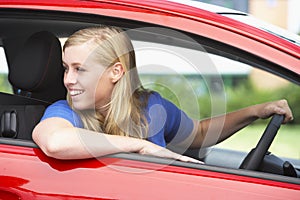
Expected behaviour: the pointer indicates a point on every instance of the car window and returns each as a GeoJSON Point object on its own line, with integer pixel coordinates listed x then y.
{"type": "Point", "coordinates": [4, 84]}
{"type": "Point", "coordinates": [212, 84]}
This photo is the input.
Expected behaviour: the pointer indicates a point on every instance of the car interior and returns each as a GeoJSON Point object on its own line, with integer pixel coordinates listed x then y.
{"type": "Point", "coordinates": [35, 73]}
{"type": "Point", "coordinates": [33, 51]}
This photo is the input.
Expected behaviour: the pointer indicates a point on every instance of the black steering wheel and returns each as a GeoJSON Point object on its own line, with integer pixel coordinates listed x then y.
{"type": "Point", "coordinates": [256, 155]}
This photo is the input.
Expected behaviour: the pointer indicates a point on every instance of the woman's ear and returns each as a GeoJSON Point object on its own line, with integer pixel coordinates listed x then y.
{"type": "Point", "coordinates": [117, 71]}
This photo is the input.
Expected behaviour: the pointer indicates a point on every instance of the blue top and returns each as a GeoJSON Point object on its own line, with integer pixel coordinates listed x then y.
{"type": "Point", "coordinates": [165, 120]}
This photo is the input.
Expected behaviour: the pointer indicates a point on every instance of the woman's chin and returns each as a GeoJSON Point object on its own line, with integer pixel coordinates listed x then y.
{"type": "Point", "coordinates": [82, 106]}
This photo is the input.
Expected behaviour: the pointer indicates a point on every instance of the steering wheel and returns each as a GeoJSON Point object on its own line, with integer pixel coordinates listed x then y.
{"type": "Point", "coordinates": [256, 155]}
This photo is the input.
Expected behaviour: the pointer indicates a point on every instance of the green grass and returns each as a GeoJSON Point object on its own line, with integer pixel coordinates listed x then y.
{"type": "Point", "coordinates": [285, 144]}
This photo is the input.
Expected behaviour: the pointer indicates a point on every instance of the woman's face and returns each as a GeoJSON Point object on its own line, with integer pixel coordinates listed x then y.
{"type": "Point", "coordinates": [88, 82]}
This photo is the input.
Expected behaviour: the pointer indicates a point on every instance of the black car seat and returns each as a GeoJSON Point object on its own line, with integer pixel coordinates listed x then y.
{"type": "Point", "coordinates": [37, 71]}
{"type": "Point", "coordinates": [36, 74]}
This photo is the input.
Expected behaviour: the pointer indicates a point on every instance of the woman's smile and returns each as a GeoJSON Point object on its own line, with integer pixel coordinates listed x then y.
{"type": "Point", "coordinates": [74, 92]}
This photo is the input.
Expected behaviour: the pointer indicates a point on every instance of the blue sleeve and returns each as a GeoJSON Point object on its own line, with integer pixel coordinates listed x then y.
{"type": "Point", "coordinates": [167, 123]}
{"type": "Point", "coordinates": [62, 109]}
{"type": "Point", "coordinates": [179, 126]}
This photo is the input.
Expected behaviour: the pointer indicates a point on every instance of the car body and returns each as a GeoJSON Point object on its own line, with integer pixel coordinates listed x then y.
{"type": "Point", "coordinates": [27, 173]}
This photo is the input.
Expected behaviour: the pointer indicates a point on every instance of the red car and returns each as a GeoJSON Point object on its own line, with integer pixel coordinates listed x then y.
{"type": "Point", "coordinates": [199, 53]}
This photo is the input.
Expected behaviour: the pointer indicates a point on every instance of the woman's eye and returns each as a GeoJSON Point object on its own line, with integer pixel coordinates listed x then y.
{"type": "Point", "coordinates": [80, 69]}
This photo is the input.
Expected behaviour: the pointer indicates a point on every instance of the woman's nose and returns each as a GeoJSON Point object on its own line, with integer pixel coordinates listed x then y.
{"type": "Point", "coordinates": [70, 77]}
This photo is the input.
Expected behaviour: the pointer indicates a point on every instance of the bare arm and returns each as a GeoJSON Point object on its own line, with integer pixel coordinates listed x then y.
{"type": "Point", "coordinates": [214, 130]}
{"type": "Point", "coordinates": [58, 138]}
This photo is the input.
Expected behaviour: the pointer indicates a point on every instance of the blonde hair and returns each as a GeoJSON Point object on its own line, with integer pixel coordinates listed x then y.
{"type": "Point", "coordinates": [125, 114]}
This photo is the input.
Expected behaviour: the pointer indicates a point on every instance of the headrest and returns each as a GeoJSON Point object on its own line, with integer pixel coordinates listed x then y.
{"type": "Point", "coordinates": [37, 68]}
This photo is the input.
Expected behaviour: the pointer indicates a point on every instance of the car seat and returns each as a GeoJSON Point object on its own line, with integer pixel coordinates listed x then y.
{"type": "Point", "coordinates": [36, 71]}
{"type": "Point", "coordinates": [36, 75]}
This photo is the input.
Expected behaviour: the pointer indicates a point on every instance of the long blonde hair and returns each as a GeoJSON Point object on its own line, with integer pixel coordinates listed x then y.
{"type": "Point", "coordinates": [125, 114]}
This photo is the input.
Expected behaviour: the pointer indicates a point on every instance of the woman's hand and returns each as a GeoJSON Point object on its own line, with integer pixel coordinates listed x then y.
{"type": "Point", "coordinates": [280, 107]}
{"type": "Point", "coordinates": [149, 148]}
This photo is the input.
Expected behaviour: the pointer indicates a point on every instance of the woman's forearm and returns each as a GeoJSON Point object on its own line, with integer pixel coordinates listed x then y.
{"type": "Point", "coordinates": [76, 143]}
{"type": "Point", "coordinates": [219, 128]}
{"type": "Point", "coordinates": [61, 140]}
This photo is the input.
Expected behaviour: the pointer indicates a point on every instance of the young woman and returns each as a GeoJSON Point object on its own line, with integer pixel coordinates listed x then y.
{"type": "Point", "coordinates": [108, 111]}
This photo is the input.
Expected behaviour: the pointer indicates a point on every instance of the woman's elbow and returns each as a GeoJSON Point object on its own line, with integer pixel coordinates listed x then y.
{"type": "Point", "coordinates": [50, 144]}
{"type": "Point", "coordinates": [52, 149]}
